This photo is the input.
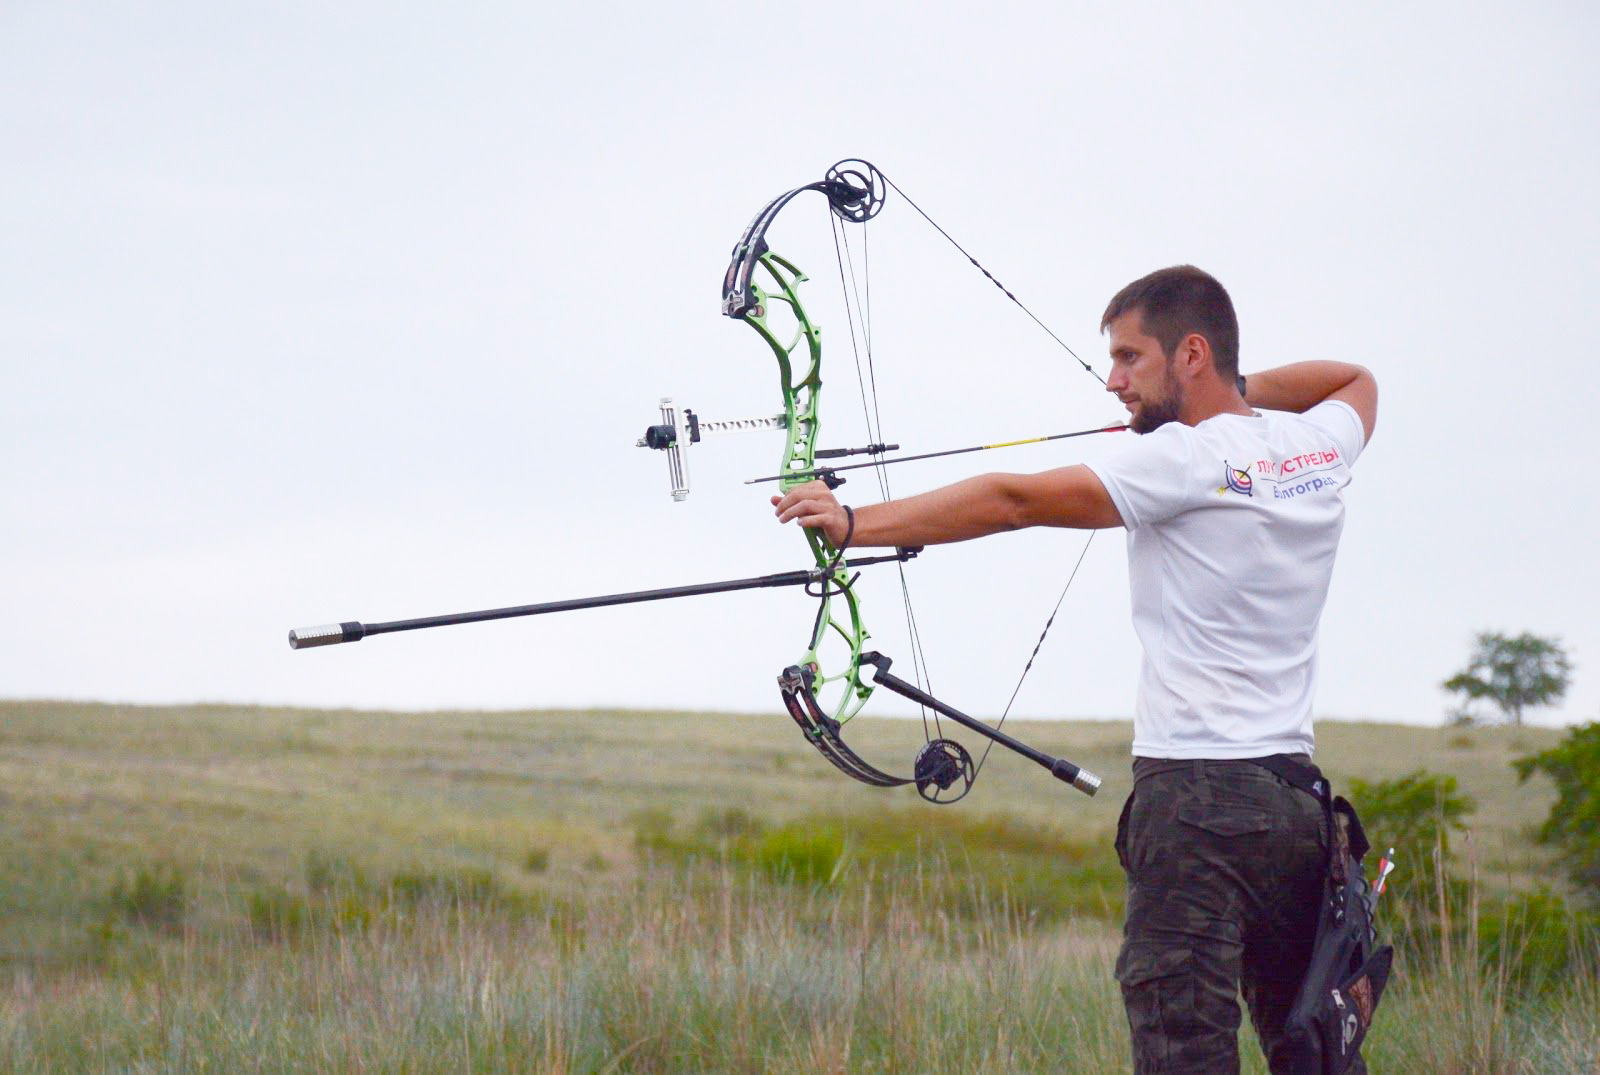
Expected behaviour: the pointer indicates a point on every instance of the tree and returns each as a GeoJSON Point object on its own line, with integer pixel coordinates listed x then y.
{"type": "Point", "coordinates": [1512, 674]}
{"type": "Point", "coordinates": [1574, 822]}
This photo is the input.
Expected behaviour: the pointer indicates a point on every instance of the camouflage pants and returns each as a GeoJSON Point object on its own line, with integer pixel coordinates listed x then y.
{"type": "Point", "coordinates": [1224, 863]}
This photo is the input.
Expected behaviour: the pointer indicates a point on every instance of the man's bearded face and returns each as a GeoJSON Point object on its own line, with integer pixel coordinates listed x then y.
{"type": "Point", "coordinates": [1158, 406]}
{"type": "Point", "coordinates": [1143, 376]}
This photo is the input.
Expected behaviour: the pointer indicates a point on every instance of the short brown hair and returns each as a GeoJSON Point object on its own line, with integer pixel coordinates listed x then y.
{"type": "Point", "coordinates": [1175, 302]}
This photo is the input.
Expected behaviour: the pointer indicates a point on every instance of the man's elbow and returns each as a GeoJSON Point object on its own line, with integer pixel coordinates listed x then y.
{"type": "Point", "coordinates": [1008, 503]}
{"type": "Point", "coordinates": [1068, 497]}
{"type": "Point", "coordinates": [1362, 396]}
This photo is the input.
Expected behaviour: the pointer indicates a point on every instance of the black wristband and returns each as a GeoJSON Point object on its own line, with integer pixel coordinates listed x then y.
{"type": "Point", "coordinates": [849, 530]}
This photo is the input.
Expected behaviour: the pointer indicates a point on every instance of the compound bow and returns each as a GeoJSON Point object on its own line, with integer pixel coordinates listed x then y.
{"type": "Point", "coordinates": [758, 284]}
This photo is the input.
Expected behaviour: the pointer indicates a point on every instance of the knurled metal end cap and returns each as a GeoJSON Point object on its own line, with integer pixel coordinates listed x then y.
{"type": "Point", "coordinates": [1086, 782]}
{"type": "Point", "coordinates": [328, 634]}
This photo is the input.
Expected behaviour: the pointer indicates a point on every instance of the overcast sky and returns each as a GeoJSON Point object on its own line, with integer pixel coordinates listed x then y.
{"type": "Point", "coordinates": [328, 312]}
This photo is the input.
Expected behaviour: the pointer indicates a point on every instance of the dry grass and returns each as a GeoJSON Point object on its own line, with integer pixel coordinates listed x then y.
{"type": "Point", "coordinates": [483, 891]}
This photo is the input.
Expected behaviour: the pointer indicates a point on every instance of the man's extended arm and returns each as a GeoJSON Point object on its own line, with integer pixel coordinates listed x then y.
{"type": "Point", "coordinates": [987, 504]}
{"type": "Point", "coordinates": [1302, 385]}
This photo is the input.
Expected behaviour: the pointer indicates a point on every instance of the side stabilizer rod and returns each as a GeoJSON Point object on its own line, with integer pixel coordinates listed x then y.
{"type": "Point", "coordinates": [333, 634]}
{"type": "Point", "coordinates": [1060, 768]}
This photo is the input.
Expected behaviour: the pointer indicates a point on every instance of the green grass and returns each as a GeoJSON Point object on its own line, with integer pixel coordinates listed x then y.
{"type": "Point", "coordinates": [227, 888]}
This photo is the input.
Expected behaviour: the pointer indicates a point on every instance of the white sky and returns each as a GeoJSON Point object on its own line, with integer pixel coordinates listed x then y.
{"type": "Point", "coordinates": [322, 312]}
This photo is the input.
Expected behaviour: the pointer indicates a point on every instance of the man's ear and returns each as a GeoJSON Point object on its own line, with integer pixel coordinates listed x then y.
{"type": "Point", "coordinates": [1192, 356]}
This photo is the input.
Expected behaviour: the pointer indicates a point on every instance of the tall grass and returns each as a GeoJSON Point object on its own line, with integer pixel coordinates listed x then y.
{"type": "Point", "coordinates": [1498, 985]}
{"type": "Point", "coordinates": [698, 969]}
{"type": "Point", "coordinates": [222, 889]}
{"type": "Point", "coordinates": [697, 965]}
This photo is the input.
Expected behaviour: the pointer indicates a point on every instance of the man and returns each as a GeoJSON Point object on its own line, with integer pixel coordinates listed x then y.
{"type": "Point", "coordinates": [1233, 517]}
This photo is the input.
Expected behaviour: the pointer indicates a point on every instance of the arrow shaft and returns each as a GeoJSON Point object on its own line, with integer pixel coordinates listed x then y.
{"type": "Point", "coordinates": [950, 451]}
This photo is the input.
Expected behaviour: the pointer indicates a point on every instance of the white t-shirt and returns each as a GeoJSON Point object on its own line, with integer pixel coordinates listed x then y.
{"type": "Point", "coordinates": [1232, 529]}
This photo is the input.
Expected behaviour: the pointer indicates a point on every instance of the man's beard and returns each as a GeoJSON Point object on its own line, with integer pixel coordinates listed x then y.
{"type": "Point", "coordinates": [1156, 413]}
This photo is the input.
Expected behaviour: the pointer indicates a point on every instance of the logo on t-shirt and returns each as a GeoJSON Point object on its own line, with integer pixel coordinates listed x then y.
{"type": "Point", "coordinates": [1298, 475]}
{"type": "Point", "coordinates": [1237, 481]}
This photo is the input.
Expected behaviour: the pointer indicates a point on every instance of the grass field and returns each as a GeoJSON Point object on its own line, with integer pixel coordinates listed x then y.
{"type": "Point", "coordinates": [227, 888]}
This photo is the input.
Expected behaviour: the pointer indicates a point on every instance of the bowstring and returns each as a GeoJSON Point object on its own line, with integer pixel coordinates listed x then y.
{"type": "Point", "coordinates": [1003, 289]}
{"type": "Point", "coordinates": [873, 417]}
{"type": "Point", "coordinates": [978, 768]}
{"type": "Point", "coordinates": [1087, 369]}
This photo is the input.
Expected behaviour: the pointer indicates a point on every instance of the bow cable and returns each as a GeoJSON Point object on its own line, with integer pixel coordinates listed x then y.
{"type": "Point", "coordinates": [873, 416]}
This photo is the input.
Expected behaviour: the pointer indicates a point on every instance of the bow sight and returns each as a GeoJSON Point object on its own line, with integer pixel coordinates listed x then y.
{"type": "Point", "coordinates": [674, 437]}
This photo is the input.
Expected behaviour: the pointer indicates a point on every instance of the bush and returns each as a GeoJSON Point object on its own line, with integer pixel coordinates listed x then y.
{"type": "Point", "coordinates": [278, 915]}
{"type": "Point", "coordinates": [730, 823]}
{"type": "Point", "coordinates": [652, 828]}
{"type": "Point", "coordinates": [1535, 938]}
{"type": "Point", "coordinates": [964, 864]}
{"type": "Point", "coordinates": [1416, 811]}
{"type": "Point", "coordinates": [327, 873]}
{"type": "Point", "coordinates": [156, 898]}
{"type": "Point", "coordinates": [1574, 822]}
{"type": "Point", "coordinates": [465, 888]}
{"type": "Point", "coordinates": [807, 856]}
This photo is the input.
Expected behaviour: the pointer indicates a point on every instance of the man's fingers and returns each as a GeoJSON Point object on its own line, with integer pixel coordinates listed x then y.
{"type": "Point", "coordinates": [813, 506]}
{"type": "Point", "coordinates": [814, 522]}
{"type": "Point", "coordinates": [808, 489]}
{"type": "Point", "coordinates": [805, 512]}
{"type": "Point", "coordinates": [811, 497]}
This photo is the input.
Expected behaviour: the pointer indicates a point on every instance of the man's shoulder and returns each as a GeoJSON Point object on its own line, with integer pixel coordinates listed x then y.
{"type": "Point", "coordinates": [1331, 419]}
{"type": "Point", "coordinates": [1282, 429]}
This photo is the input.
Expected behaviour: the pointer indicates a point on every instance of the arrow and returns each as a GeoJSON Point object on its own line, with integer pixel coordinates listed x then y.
{"type": "Point", "coordinates": [819, 472]}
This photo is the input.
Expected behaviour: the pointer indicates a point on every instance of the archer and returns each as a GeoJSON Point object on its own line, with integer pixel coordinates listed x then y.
{"type": "Point", "coordinates": [1230, 554]}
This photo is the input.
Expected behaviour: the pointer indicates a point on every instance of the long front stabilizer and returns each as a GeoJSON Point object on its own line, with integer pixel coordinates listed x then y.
{"type": "Point", "coordinates": [354, 631]}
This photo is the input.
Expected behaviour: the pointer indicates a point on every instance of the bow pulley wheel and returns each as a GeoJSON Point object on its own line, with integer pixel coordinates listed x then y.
{"type": "Point", "coordinates": [855, 189]}
{"type": "Point", "coordinates": [944, 771]}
